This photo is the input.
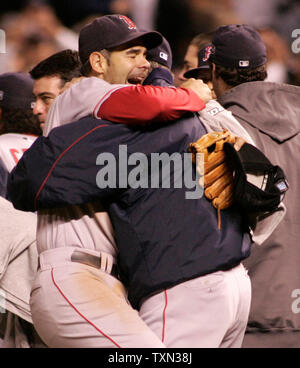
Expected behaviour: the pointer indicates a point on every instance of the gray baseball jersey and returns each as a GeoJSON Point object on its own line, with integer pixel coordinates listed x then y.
{"type": "Point", "coordinates": [87, 226]}
{"type": "Point", "coordinates": [12, 147]}
{"type": "Point", "coordinates": [74, 304]}
{"type": "Point", "coordinates": [83, 98]}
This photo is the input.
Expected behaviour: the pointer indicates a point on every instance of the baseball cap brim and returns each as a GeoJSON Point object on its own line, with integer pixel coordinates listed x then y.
{"type": "Point", "coordinates": [193, 73]}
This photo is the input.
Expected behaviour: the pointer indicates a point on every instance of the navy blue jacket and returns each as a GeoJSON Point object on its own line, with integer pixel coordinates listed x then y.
{"type": "Point", "coordinates": [159, 77]}
{"type": "Point", "coordinates": [163, 238]}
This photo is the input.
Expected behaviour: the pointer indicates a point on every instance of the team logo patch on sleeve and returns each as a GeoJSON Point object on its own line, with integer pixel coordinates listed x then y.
{"type": "Point", "coordinates": [215, 110]}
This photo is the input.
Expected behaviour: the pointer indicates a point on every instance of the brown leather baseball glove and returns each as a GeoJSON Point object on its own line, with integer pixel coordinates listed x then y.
{"type": "Point", "coordinates": [218, 175]}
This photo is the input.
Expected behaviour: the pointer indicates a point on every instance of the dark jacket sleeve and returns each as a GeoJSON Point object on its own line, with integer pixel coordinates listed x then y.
{"type": "Point", "coordinates": [23, 183]}
{"type": "Point", "coordinates": [68, 167]}
{"type": "Point", "coordinates": [45, 172]}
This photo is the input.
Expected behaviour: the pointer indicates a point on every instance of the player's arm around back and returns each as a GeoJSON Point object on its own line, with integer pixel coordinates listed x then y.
{"type": "Point", "coordinates": [143, 105]}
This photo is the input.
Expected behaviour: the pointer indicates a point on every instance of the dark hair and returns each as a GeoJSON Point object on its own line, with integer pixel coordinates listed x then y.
{"type": "Point", "coordinates": [235, 76]}
{"type": "Point", "coordinates": [19, 121]}
{"type": "Point", "coordinates": [65, 64]}
{"type": "Point", "coordinates": [86, 69]}
{"type": "Point", "coordinates": [155, 64]}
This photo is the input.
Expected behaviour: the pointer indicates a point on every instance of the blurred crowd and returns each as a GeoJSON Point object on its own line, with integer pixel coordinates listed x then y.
{"type": "Point", "coordinates": [36, 29]}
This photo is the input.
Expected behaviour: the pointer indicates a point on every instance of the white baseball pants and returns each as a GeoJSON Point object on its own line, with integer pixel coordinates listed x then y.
{"type": "Point", "coordinates": [206, 312]}
{"type": "Point", "coordinates": [74, 305]}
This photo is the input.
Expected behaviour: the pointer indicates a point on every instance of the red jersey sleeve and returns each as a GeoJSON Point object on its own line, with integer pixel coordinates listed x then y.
{"type": "Point", "coordinates": [142, 105]}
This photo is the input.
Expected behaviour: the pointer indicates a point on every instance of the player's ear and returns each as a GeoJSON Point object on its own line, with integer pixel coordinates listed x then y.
{"type": "Point", "coordinates": [98, 62]}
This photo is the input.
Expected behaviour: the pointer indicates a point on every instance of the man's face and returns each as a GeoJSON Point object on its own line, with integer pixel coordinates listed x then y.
{"type": "Point", "coordinates": [127, 64]}
{"type": "Point", "coordinates": [190, 61]}
{"type": "Point", "coordinates": [45, 89]}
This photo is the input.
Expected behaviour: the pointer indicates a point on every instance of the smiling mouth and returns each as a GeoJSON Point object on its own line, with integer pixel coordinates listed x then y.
{"type": "Point", "coordinates": [137, 79]}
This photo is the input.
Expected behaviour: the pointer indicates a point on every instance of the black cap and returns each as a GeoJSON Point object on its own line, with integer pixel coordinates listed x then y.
{"type": "Point", "coordinates": [203, 57]}
{"type": "Point", "coordinates": [161, 54]}
{"type": "Point", "coordinates": [111, 31]}
{"type": "Point", "coordinates": [16, 91]}
{"type": "Point", "coordinates": [238, 46]}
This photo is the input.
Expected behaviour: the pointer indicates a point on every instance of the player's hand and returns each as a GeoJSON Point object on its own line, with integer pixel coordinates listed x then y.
{"type": "Point", "coordinates": [199, 87]}
{"type": "Point", "coordinates": [239, 143]}
{"type": "Point", "coordinates": [69, 84]}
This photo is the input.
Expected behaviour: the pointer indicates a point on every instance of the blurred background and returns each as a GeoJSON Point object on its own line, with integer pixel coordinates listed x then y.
{"type": "Point", "coordinates": [36, 29]}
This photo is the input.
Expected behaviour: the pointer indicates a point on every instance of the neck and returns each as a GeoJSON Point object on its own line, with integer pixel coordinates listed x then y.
{"type": "Point", "coordinates": [221, 87]}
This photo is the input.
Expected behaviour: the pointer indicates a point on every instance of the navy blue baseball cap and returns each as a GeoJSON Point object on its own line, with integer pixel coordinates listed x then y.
{"type": "Point", "coordinates": [161, 54]}
{"type": "Point", "coordinates": [238, 46]}
{"type": "Point", "coordinates": [203, 64]}
{"type": "Point", "coordinates": [110, 31]}
{"type": "Point", "coordinates": [16, 91]}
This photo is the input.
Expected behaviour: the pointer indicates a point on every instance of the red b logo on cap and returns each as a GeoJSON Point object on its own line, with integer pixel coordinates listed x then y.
{"type": "Point", "coordinates": [129, 22]}
{"type": "Point", "coordinates": [208, 50]}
